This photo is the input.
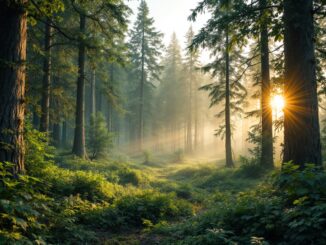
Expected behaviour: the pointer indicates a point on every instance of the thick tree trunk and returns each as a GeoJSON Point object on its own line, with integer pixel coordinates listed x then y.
{"type": "Point", "coordinates": [301, 122]}
{"type": "Point", "coordinates": [46, 86]}
{"type": "Point", "coordinates": [266, 117]}
{"type": "Point", "coordinates": [228, 148]}
{"type": "Point", "coordinates": [79, 147]}
{"type": "Point", "coordinates": [13, 29]}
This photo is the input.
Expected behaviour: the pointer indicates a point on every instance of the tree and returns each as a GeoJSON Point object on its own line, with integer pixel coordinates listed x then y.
{"type": "Point", "coordinates": [145, 46]}
{"type": "Point", "coordinates": [266, 110]}
{"type": "Point", "coordinates": [191, 64]}
{"type": "Point", "coordinates": [45, 103]}
{"type": "Point", "coordinates": [13, 26]}
{"type": "Point", "coordinates": [217, 35]}
{"type": "Point", "coordinates": [99, 137]}
{"type": "Point", "coordinates": [173, 91]}
{"type": "Point", "coordinates": [301, 120]}
{"type": "Point", "coordinates": [109, 19]}
{"type": "Point", "coordinates": [79, 146]}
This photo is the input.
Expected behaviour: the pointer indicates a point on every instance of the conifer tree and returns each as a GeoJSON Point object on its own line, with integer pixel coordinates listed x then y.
{"type": "Point", "coordinates": [218, 35]}
{"type": "Point", "coordinates": [145, 49]}
{"type": "Point", "coordinates": [191, 66]}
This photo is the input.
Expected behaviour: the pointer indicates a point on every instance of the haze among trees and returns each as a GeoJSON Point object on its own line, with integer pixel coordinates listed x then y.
{"type": "Point", "coordinates": [110, 136]}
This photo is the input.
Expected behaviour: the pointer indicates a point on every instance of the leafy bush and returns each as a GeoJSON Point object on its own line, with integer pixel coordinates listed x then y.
{"type": "Point", "coordinates": [39, 153]}
{"type": "Point", "coordinates": [22, 208]}
{"type": "Point", "coordinates": [141, 210]}
{"type": "Point", "coordinates": [290, 210]}
{"type": "Point", "coordinates": [88, 185]}
{"type": "Point", "coordinates": [250, 168]}
{"type": "Point", "coordinates": [99, 138]}
{"type": "Point", "coordinates": [130, 176]}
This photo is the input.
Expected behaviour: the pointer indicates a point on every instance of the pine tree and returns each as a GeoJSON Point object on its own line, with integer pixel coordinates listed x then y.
{"type": "Point", "coordinates": [301, 121]}
{"type": "Point", "coordinates": [218, 35]}
{"type": "Point", "coordinates": [191, 66]}
{"type": "Point", "coordinates": [145, 46]}
{"type": "Point", "coordinates": [108, 19]}
{"type": "Point", "coordinates": [172, 92]}
{"type": "Point", "coordinates": [13, 25]}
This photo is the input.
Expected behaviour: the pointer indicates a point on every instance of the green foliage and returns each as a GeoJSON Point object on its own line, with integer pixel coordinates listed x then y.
{"type": "Point", "coordinates": [250, 168]}
{"type": "Point", "coordinates": [38, 151]}
{"type": "Point", "coordinates": [147, 157]}
{"type": "Point", "coordinates": [89, 185]}
{"type": "Point", "coordinates": [179, 155]}
{"type": "Point", "coordinates": [100, 140]}
{"type": "Point", "coordinates": [22, 208]}
{"type": "Point", "coordinates": [142, 210]}
{"type": "Point", "coordinates": [289, 210]}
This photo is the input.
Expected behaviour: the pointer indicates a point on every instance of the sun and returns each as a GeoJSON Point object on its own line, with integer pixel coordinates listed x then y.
{"type": "Point", "coordinates": [278, 102]}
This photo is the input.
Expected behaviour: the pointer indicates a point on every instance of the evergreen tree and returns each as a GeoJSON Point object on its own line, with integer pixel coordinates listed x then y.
{"type": "Point", "coordinates": [172, 92]}
{"type": "Point", "coordinates": [13, 22]}
{"type": "Point", "coordinates": [301, 121]}
{"type": "Point", "coordinates": [99, 138]}
{"type": "Point", "coordinates": [192, 65]}
{"type": "Point", "coordinates": [218, 35]}
{"type": "Point", "coordinates": [145, 49]}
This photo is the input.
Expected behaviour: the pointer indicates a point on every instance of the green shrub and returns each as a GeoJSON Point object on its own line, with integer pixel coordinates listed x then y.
{"type": "Point", "coordinates": [141, 210]}
{"type": "Point", "coordinates": [67, 224]}
{"type": "Point", "coordinates": [99, 138]}
{"type": "Point", "coordinates": [250, 168]}
{"type": "Point", "coordinates": [130, 176]}
{"type": "Point", "coordinates": [39, 153]}
{"type": "Point", "coordinates": [22, 208]}
{"type": "Point", "coordinates": [88, 185]}
{"type": "Point", "coordinates": [291, 210]}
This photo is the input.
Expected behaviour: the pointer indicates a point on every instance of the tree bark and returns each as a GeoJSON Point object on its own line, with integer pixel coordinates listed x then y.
{"type": "Point", "coordinates": [93, 92]}
{"type": "Point", "coordinates": [13, 29]}
{"type": "Point", "coordinates": [79, 147]}
{"type": "Point", "coordinates": [228, 148]}
{"type": "Point", "coordinates": [46, 86]}
{"type": "Point", "coordinates": [266, 158]}
{"type": "Point", "coordinates": [64, 134]}
{"type": "Point", "coordinates": [56, 134]}
{"type": "Point", "coordinates": [301, 119]}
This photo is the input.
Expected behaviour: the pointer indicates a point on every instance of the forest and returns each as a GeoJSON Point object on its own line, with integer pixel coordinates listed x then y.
{"type": "Point", "coordinates": [187, 122]}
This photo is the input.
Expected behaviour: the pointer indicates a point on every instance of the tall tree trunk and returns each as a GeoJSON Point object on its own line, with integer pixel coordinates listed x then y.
{"type": "Point", "coordinates": [266, 118]}
{"type": "Point", "coordinates": [46, 86]}
{"type": "Point", "coordinates": [56, 134]}
{"type": "Point", "coordinates": [189, 119]}
{"type": "Point", "coordinates": [13, 29]}
{"type": "Point", "coordinates": [93, 92]}
{"type": "Point", "coordinates": [301, 122]}
{"type": "Point", "coordinates": [36, 119]}
{"type": "Point", "coordinates": [141, 98]}
{"type": "Point", "coordinates": [64, 134]}
{"type": "Point", "coordinates": [79, 147]}
{"type": "Point", "coordinates": [228, 148]}
{"type": "Point", "coordinates": [196, 120]}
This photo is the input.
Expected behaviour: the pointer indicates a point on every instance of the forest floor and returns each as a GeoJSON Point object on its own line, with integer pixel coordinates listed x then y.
{"type": "Point", "coordinates": [164, 200]}
{"type": "Point", "coordinates": [197, 182]}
